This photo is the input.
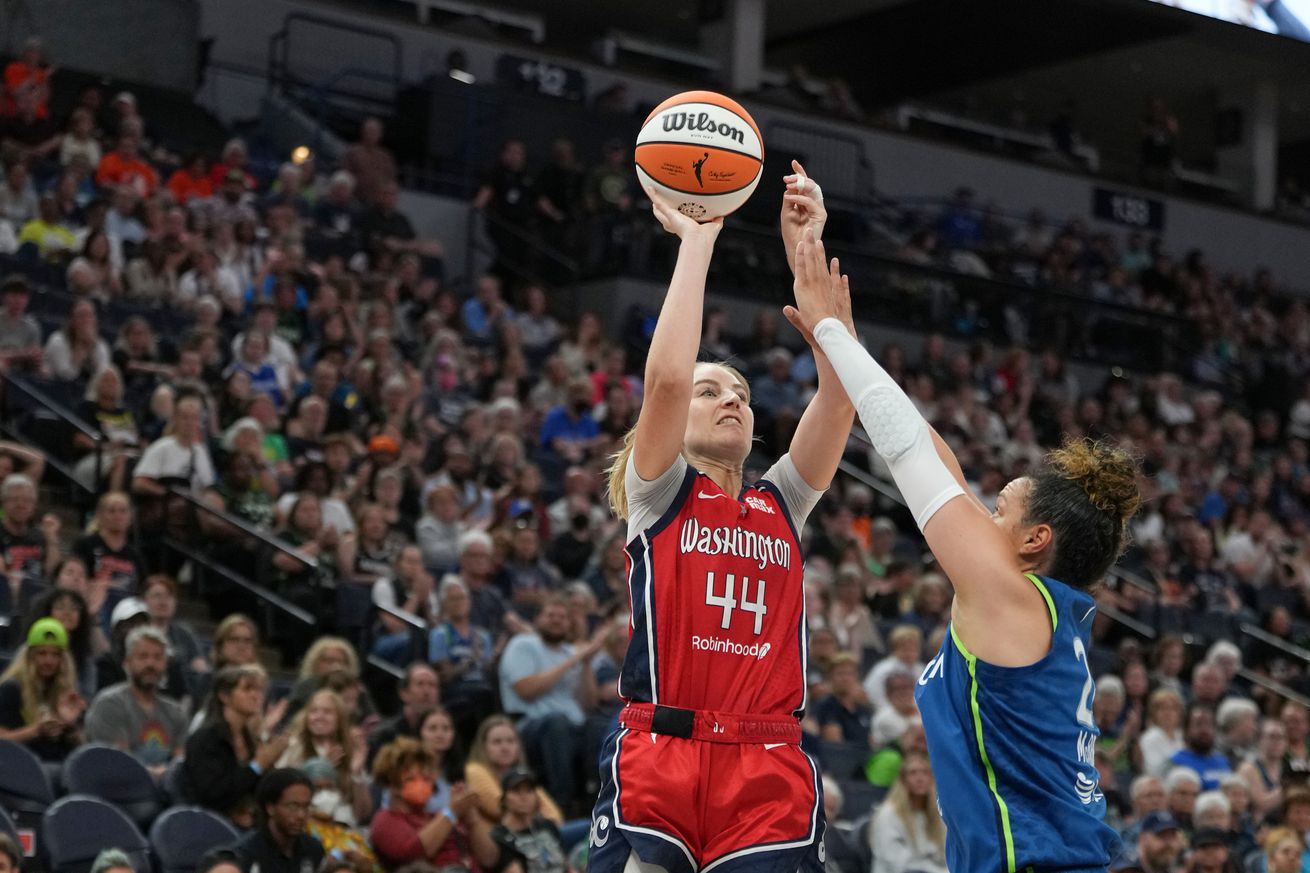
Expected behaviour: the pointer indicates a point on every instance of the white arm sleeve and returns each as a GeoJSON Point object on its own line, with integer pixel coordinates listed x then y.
{"type": "Point", "coordinates": [898, 432]}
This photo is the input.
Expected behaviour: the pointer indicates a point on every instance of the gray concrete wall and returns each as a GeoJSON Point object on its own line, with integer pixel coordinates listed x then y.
{"type": "Point", "coordinates": [150, 41]}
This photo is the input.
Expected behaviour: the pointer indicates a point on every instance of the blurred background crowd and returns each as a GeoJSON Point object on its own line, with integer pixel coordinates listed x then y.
{"type": "Point", "coordinates": [317, 537]}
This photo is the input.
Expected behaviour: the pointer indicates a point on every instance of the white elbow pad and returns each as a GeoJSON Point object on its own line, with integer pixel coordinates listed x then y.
{"type": "Point", "coordinates": [897, 430]}
{"type": "Point", "coordinates": [901, 437]}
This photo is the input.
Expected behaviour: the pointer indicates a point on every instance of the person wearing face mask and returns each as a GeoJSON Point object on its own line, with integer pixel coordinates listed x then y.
{"type": "Point", "coordinates": [322, 731]}
{"type": "Point", "coordinates": [405, 831]}
{"type": "Point", "coordinates": [569, 431]}
{"type": "Point", "coordinates": [332, 818]}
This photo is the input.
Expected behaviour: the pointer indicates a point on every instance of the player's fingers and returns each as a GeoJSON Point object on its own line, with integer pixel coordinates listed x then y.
{"type": "Point", "coordinates": [800, 170]}
{"type": "Point", "coordinates": [802, 260]}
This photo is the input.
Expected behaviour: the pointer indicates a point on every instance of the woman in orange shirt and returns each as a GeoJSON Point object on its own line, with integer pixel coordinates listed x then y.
{"type": "Point", "coordinates": [28, 73]}
{"type": "Point", "coordinates": [191, 181]}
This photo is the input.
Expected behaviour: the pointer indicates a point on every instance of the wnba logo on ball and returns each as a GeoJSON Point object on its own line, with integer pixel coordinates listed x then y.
{"type": "Point", "coordinates": [702, 121]}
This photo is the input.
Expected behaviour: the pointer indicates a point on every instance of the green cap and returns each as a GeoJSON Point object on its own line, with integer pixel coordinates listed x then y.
{"type": "Point", "coordinates": [47, 632]}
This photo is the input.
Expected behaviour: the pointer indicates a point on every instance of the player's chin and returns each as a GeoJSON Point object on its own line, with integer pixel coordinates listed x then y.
{"type": "Point", "coordinates": [737, 441]}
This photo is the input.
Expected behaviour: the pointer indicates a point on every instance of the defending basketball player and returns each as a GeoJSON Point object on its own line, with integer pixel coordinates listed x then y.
{"type": "Point", "coordinates": [1007, 702]}
{"type": "Point", "coordinates": [706, 770]}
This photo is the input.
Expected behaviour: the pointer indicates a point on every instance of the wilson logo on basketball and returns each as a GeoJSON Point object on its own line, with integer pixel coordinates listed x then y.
{"type": "Point", "coordinates": [701, 121]}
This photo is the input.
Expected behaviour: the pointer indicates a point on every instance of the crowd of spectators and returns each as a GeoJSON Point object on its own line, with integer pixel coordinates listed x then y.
{"type": "Point", "coordinates": [425, 468]}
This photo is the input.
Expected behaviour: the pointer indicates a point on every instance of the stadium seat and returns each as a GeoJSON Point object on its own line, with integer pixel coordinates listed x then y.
{"type": "Point", "coordinates": [115, 776]}
{"type": "Point", "coordinates": [174, 783]}
{"type": "Point", "coordinates": [77, 827]}
{"type": "Point", "coordinates": [354, 612]}
{"type": "Point", "coordinates": [184, 833]}
{"type": "Point", "coordinates": [24, 786]}
{"type": "Point", "coordinates": [8, 828]}
{"type": "Point", "coordinates": [860, 799]}
{"type": "Point", "coordinates": [843, 761]}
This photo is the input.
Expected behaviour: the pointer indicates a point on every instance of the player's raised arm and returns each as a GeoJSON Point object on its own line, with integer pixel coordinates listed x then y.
{"type": "Point", "coordinates": [821, 434]}
{"type": "Point", "coordinates": [674, 346]}
{"type": "Point", "coordinates": [970, 547]}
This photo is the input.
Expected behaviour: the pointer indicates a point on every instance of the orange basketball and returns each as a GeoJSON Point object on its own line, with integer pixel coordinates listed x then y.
{"type": "Point", "coordinates": [700, 152]}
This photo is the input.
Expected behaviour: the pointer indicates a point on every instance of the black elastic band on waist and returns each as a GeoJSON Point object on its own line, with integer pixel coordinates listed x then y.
{"type": "Point", "coordinates": [673, 722]}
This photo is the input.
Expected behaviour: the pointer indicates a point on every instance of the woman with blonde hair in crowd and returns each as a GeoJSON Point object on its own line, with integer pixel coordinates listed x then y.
{"type": "Point", "coordinates": [908, 832]}
{"type": "Point", "coordinates": [39, 703]}
{"type": "Point", "coordinates": [1164, 731]}
{"type": "Point", "coordinates": [1283, 848]}
{"type": "Point", "coordinates": [323, 730]}
{"type": "Point", "coordinates": [327, 655]}
{"type": "Point", "coordinates": [496, 750]}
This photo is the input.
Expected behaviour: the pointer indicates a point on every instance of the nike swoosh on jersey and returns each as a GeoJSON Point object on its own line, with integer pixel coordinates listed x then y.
{"type": "Point", "coordinates": [710, 496]}
{"type": "Point", "coordinates": [768, 746]}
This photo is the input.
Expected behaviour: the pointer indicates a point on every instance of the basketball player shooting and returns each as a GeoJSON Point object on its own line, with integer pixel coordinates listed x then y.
{"type": "Point", "coordinates": [1007, 702]}
{"type": "Point", "coordinates": [706, 770]}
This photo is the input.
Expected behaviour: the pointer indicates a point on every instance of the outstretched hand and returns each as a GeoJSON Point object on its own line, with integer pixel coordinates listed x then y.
{"type": "Point", "coordinates": [821, 289]}
{"type": "Point", "coordinates": [682, 226]}
{"type": "Point", "coordinates": [802, 206]}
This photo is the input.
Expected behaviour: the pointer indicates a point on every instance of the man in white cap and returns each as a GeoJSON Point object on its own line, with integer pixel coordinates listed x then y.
{"type": "Point", "coordinates": [128, 615]}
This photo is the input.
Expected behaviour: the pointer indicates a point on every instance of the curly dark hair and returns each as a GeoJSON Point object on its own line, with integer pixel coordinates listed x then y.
{"type": "Point", "coordinates": [1087, 492]}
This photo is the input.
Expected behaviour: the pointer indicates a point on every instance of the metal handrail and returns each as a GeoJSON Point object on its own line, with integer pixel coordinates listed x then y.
{"type": "Point", "coordinates": [59, 409]}
{"type": "Point", "coordinates": [1138, 627]}
{"type": "Point", "coordinates": [871, 481]}
{"type": "Point", "coordinates": [1273, 685]}
{"type": "Point", "coordinates": [279, 45]}
{"type": "Point", "coordinates": [537, 244]}
{"type": "Point", "coordinates": [386, 667]}
{"type": "Point", "coordinates": [323, 89]}
{"type": "Point", "coordinates": [64, 414]}
{"type": "Point", "coordinates": [998, 285]}
{"type": "Point", "coordinates": [407, 617]}
{"type": "Point", "coordinates": [51, 462]}
{"type": "Point", "coordinates": [1259, 633]}
{"type": "Point", "coordinates": [272, 598]}
{"type": "Point", "coordinates": [247, 528]}
{"type": "Point", "coordinates": [1139, 582]}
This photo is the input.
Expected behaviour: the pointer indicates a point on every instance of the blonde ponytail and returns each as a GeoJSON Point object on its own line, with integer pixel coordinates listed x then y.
{"type": "Point", "coordinates": [618, 486]}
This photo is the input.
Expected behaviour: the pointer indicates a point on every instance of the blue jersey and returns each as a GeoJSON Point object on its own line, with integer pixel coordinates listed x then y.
{"type": "Point", "coordinates": [1013, 748]}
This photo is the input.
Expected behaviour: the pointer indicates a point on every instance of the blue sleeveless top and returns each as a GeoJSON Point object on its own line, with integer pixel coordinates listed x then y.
{"type": "Point", "coordinates": [1012, 749]}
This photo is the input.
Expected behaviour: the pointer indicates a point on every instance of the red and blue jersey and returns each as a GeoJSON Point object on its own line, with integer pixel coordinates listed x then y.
{"type": "Point", "coordinates": [718, 604]}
